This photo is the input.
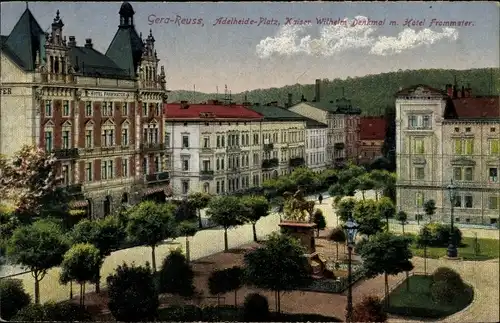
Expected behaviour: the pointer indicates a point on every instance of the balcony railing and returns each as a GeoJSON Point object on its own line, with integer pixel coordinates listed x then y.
{"type": "Point", "coordinates": [206, 174]}
{"type": "Point", "coordinates": [69, 153]}
{"type": "Point", "coordinates": [296, 162]}
{"type": "Point", "coordinates": [207, 150]}
{"type": "Point", "coordinates": [157, 177]}
{"type": "Point", "coordinates": [270, 163]}
{"type": "Point", "coordinates": [268, 146]}
{"type": "Point", "coordinates": [233, 148]}
{"type": "Point", "coordinates": [152, 146]}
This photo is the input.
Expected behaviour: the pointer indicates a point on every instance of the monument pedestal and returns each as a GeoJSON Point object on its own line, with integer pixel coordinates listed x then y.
{"type": "Point", "coordinates": [304, 232]}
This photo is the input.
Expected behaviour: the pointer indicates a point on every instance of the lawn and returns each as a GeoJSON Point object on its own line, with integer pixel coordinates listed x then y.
{"type": "Point", "coordinates": [488, 249]}
{"type": "Point", "coordinates": [417, 301]}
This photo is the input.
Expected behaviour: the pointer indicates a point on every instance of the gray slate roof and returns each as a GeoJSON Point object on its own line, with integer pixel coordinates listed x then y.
{"type": "Point", "coordinates": [276, 113]}
{"type": "Point", "coordinates": [126, 49]}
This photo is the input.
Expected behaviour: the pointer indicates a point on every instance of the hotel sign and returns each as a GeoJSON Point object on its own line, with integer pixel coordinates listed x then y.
{"type": "Point", "coordinates": [107, 94]}
{"type": "Point", "coordinates": [6, 91]}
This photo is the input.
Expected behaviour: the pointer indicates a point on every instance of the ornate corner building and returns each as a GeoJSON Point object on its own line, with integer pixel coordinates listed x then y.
{"type": "Point", "coordinates": [445, 135]}
{"type": "Point", "coordinates": [100, 114]}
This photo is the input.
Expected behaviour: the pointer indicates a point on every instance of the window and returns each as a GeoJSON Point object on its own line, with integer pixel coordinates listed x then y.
{"type": "Point", "coordinates": [464, 146]}
{"type": "Point", "coordinates": [419, 173]}
{"type": "Point", "coordinates": [185, 165]}
{"type": "Point", "coordinates": [107, 169]}
{"type": "Point", "coordinates": [167, 139]}
{"type": "Point", "coordinates": [468, 201]}
{"type": "Point", "coordinates": [419, 122]}
{"type": "Point", "coordinates": [185, 141]}
{"type": "Point", "coordinates": [88, 109]}
{"type": "Point", "coordinates": [223, 141]}
{"type": "Point", "coordinates": [419, 199]}
{"type": "Point", "coordinates": [185, 187]}
{"type": "Point", "coordinates": [48, 108]}
{"type": "Point", "coordinates": [458, 201]}
{"type": "Point", "coordinates": [468, 173]}
{"type": "Point", "coordinates": [457, 129]}
{"type": "Point", "coordinates": [418, 146]}
{"type": "Point", "coordinates": [157, 164]}
{"type": "Point", "coordinates": [493, 174]}
{"type": "Point", "coordinates": [157, 108]}
{"type": "Point", "coordinates": [89, 142]}
{"type": "Point", "coordinates": [107, 109]}
{"type": "Point", "coordinates": [48, 141]}
{"type": "Point", "coordinates": [66, 139]}
{"type": "Point", "coordinates": [493, 202]}
{"type": "Point", "coordinates": [65, 174]}
{"type": "Point", "coordinates": [206, 142]}
{"type": "Point", "coordinates": [66, 111]}
{"type": "Point", "coordinates": [145, 109]}
{"type": "Point", "coordinates": [124, 137]}
{"type": "Point", "coordinates": [494, 146]}
{"type": "Point", "coordinates": [492, 129]}
{"type": "Point", "coordinates": [218, 187]}
{"type": "Point", "coordinates": [108, 136]}
{"type": "Point", "coordinates": [88, 172]}
{"type": "Point", "coordinates": [124, 109]}
{"type": "Point", "coordinates": [145, 165]}
{"type": "Point", "coordinates": [218, 141]}
{"type": "Point", "coordinates": [125, 167]}
{"type": "Point", "coordinates": [206, 165]}
{"type": "Point", "coordinates": [467, 129]}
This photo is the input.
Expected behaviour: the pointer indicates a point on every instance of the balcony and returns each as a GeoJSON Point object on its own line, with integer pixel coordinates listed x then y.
{"type": "Point", "coordinates": [270, 163]}
{"type": "Point", "coordinates": [206, 175]}
{"type": "Point", "coordinates": [151, 146]}
{"type": "Point", "coordinates": [268, 146]}
{"type": "Point", "coordinates": [156, 178]}
{"type": "Point", "coordinates": [296, 162]}
{"type": "Point", "coordinates": [69, 153]}
{"type": "Point", "coordinates": [339, 145]}
{"type": "Point", "coordinates": [233, 148]}
{"type": "Point", "coordinates": [206, 151]}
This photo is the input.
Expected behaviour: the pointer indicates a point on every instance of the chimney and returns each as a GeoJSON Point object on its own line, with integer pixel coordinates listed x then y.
{"type": "Point", "coordinates": [184, 104]}
{"type": "Point", "coordinates": [455, 92]}
{"type": "Point", "coordinates": [72, 41]}
{"type": "Point", "coordinates": [317, 93]}
{"type": "Point", "coordinates": [88, 43]}
{"type": "Point", "coordinates": [449, 90]}
{"type": "Point", "coordinates": [290, 96]}
{"type": "Point", "coordinates": [468, 91]}
{"type": "Point", "coordinates": [463, 91]}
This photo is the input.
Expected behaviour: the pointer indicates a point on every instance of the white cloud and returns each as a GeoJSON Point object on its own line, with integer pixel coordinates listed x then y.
{"type": "Point", "coordinates": [333, 39]}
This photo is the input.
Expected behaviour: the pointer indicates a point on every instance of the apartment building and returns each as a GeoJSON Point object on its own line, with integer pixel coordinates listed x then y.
{"type": "Point", "coordinates": [316, 139]}
{"type": "Point", "coordinates": [371, 138]}
{"type": "Point", "coordinates": [445, 135]}
{"type": "Point", "coordinates": [100, 114]}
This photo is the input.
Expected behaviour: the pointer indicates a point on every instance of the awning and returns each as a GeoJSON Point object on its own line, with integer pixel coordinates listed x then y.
{"type": "Point", "coordinates": [153, 190]}
{"type": "Point", "coordinates": [78, 204]}
{"type": "Point", "coordinates": [168, 191]}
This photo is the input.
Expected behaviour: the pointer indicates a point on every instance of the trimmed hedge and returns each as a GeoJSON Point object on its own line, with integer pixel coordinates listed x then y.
{"type": "Point", "coordinates": [53, 312]}
{"type": "Point", "coordinates": [439, 235]}
{"type": "Point", "coordinates": [334, 286]}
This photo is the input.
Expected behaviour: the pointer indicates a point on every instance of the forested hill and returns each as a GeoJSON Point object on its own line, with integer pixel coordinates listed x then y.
{"type": "Point", "coordinates": [372, 93]}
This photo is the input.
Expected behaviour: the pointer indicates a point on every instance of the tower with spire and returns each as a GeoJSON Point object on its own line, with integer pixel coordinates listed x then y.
{"type": "Point", "coordinates": [56, 50]}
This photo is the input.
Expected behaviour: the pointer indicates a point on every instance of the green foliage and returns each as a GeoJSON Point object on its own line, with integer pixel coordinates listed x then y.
{"type": "Point", "coordinates": [366, 214]}
{"type": "Point", "coordinates": [345, 208]}
{"type": "Point", "coordinates": [176, 275]}
{"type": "Point", "coordinates": [199, 200]}
{"type": "Point", "coordinates": [337, 235]}
{"type": "Point", "coordinates": [132, 293]}
{"type": "Point", "coordinates": [81, 263]}
{"type": "Point", "coordinates": [438, 234]}
{"type": "Point", "coordinates": [187, 228]}
{"type": "Point", "coordinates": [319, 219]}
{"type": "Point", "coordinates": [58, 312]}
{"type": "Point", "coordinates": [255, 308]}
{"type": "Point", "coordinates": [279, 265]}
{"type": "Point", "coordinates": [225, 280]}
{"type": "Point", "coordinates": [227, 211]}
{"type": "Point", "coordinates": [370, 309]}
{"type": "Point", "coordinates": [305, 179]}
{"type": "Point", "coordinates": [377, 89]}
{"type": "Point", "coordinates": [257, 206]}
{"type": "Point", "coordinates": [446, 285]}
{"type": "Point", "coordinates": [12, 297]}
{"type": "Point", "coordinates": [106, 234]}
{"type": "Point", "coordinates": [386, 253]}
{"type": "Point", "coordinates": [430, 208]}
{"type": "Point", "coordinates": [386, 208]}
{"type": "Point", "coordinates": [402, 217]}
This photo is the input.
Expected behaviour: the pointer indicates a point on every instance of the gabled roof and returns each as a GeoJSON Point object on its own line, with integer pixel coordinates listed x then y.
{"type": "Point", "coordinates": [487, 107]}
{"type": "Point", "coordinates": [372, 128]}
{"type": "Point", "coordinates": [340, 106]}
{"type": "Point", "coordinates": [24, 41]}
{"type": "Point", "coordinates": [312, 124]}
{"type": "Point", "coordinates": [88, 61]}
{"type": "Point", "coordinates": [421, 90]}
{"type": "Point", "coordinates": [325, 106]}
{"type": "Point", "coordinates": [276, 113]}
{"type": "Point", "coordinates": [184, 111]}
{"type": "Point", "coordinates": [126, 49]}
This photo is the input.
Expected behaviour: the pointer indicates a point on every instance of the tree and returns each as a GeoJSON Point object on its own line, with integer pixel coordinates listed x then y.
{"type": "Point", "coordinates": [430, 208]}
{"type": "Point", "coordinates": [345, 208]}
{"type": "Point", "coordinates": [386, 254]}
{"type": "Point", "coordinates": [150, 223]}
{"type": "Point", "coordinates": [365, 183]}
{"type": "Point", "coordinates": [401, 216]}
{"type": "Point", "coordinates": [370, 309]}
{"type": "Point", "coordinates": [53, 312]}
{"type": "Point", "coordinates": [81, 263]}
{"type": "Point", "coordinates": [304, 177]}
{"type": "Point", "coordinates": [367, 216]}
{"type": "Point", "coordinates": [106, 234]}
{"type": "Point", "coordinates": [319, 220]}
{"type": "Point", "coordinates": [13, 297]}
{"type": "Point", "coordinates": [132, 293]}
{"type": "Point", "coordinates": [225, 280]}
{"type": "Point", "coordinates": [446, 285]}
{"type": "Point", "coordinates": [176, 275]}
{"type": "Point", "coordinates": [278, 266]}
{"type": "Point", "coordinates": [187, 229]}
{"type": "Point", "coordinates": [255, 308]}
{"type": "Point", "coordinates": [199, 200]}
{"type": "Point", "coordinates": [228, 212]}
{"type": "Point", "coordinates": [39, 247]}
{"type": "Point", "coordinates": [29, 180]}
{"type": "Point", "coordinates": [257, 207]}
{"type": "Point", "coordinates": [386, 209]}
{"type": "Point", "coordinates": [337, 235]}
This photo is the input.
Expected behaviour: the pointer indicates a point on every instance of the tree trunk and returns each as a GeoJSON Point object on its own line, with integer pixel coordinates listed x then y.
{"type": "Point", "coordinates": [200, 224]}
{"type": "Point", "coordinates": [153, 258]}
{"type": "Point", "coordinates": [317, 235]}
{"type": "Point", "coordinates": [337, 245]}
{"type": "Point", "coordinates": [236, 297]}
{"type": "Point", "coordinates": [98, 282]}
{"type": "Point", "coordinates": [387, 222]}
{"type": "Point", "coordinates": [279, 302]}
{"type": "Point", "coordinates": [81, 294]}
{"type": "Point", "coordinates": [387, 301]}
{"type": "Point", "coordinates": [363, 195]}
{"type": "Point", "coordinates": [226, 245]}
{"type": "Point", "coordinates": [188, 255]}
{"type": "Point", "coordinates": [376, 195]}
{"type": "Point", "coordinates": [37, 290]}
{"type": "Point", "coordinates": [403, 226]}
{"type": "Point", "coordinates": [70, 290]}
{"type": "Point", "coordinates": [425, 259]}
{"type": "Point", "coordinates": [254, 232]}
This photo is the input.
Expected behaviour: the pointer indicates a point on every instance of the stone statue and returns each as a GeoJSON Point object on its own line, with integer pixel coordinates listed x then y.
{"type": "Point", "coordinates": [297, 208]}
{"type": "Point", "coordinates": [78, 95]}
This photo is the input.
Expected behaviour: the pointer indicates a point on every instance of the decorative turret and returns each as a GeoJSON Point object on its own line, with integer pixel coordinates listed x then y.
{"type": "Point", "coordinates": [56, 35]}
{"type": "Point", "coordinates": [126, 15]}
{"type": "Point", "coordinates": [56, 50]}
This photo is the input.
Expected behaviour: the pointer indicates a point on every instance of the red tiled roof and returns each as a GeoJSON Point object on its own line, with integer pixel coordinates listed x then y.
{"type": "Point", "coordinates": [482, 107]}
{"type": "Point", "coordinates": [372, 128]}
{"type": "Point", "coordinates": [209, 111]}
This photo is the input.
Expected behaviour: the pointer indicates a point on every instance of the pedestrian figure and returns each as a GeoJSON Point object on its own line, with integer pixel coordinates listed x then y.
{"type": "Point", "coordinates": [320, 199]}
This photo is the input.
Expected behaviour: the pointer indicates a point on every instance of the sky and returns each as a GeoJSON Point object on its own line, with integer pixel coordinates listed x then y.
{"type": "Point", "coordinates": [287, 43]}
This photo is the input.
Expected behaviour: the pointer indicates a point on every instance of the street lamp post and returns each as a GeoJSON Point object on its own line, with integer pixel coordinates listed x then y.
{"type": "Point", "coordinates": [351, 228]}
{"type": "Point", "coordinates": [452, 248]}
